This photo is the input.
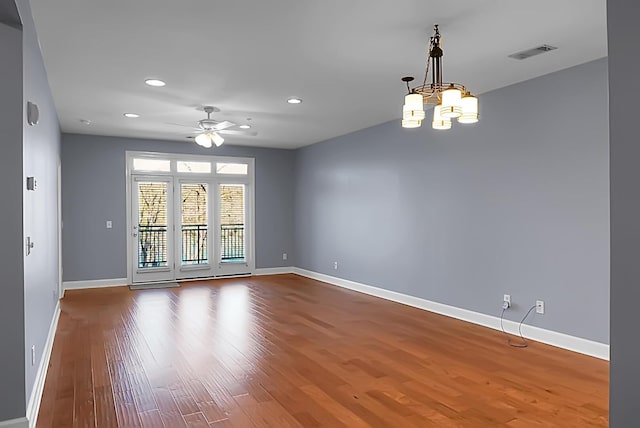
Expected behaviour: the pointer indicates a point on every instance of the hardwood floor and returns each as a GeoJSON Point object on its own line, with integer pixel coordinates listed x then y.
{"type": "Point", "coordinates": [286, 351]}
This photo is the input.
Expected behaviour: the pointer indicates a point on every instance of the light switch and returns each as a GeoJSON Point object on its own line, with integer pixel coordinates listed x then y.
{"type": "Point", "coordinates": [109, 224]}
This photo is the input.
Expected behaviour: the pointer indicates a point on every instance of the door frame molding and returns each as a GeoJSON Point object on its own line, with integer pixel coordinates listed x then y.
{"type": "Point", "coordinates": [248, 180]}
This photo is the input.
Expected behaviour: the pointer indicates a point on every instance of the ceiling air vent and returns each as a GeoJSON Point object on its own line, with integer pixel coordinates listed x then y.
{"type": "Point", "coordinates": [532, 52]}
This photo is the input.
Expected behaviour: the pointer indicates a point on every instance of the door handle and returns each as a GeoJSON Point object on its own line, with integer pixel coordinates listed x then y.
{"type": "Point", "coordinates": [30, 245]}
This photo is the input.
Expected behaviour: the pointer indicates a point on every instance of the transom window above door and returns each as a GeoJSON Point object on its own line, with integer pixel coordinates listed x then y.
{"type": "Point", "coordinates": [157, 163]}
{"type": "Point", "coordinates": [195, 167]}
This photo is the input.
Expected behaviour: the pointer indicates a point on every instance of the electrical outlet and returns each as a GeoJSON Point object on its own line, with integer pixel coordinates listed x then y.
{"type": "Point", "coordinates": [284, 256]}
{"type": "Point", "coordinates": [33, 355]}
{"type": "Point", "coordinates": [507, 299]}
{"type": "Point", "coordinates": [335, 265]}
{"type": "Point", "coordinates": [540, 306]}
{"type": "Point", "coordinates": [109, 224]}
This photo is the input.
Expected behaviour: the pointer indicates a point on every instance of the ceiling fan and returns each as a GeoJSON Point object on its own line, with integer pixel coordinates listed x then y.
{"type": "Point", "coordinates": [209, 129]}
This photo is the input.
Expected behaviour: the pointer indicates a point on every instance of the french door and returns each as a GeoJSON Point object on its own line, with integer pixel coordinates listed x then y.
{"type": "Point", "coordinates": [193, 232]}
{"type": "Point", "coordinates": [189, 227]}
{"type": "Point", "coordinates": [152, 224]}
{"type": "Point", "coordinates": [231, 232]}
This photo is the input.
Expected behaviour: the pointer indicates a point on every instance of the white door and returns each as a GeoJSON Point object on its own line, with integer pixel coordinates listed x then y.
{"type": "Point", "coordinates": [152, 229]}
{"type": "Point", "coordinates": [194, 258]}
{"type": "Point", "coordinates": [232, 232]}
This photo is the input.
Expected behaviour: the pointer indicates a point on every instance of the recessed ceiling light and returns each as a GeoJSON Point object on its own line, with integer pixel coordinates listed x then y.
{"type": "Point", "coordinates": [294, 100]}
{"type": "Point", "coordinates": [85, 121]}
{"type": "Point", "coordinates": [154, 82]}
{"type": "Point", "coordinates": [131, 115]}
{"type": "Point", "coordinates": [244, 126]}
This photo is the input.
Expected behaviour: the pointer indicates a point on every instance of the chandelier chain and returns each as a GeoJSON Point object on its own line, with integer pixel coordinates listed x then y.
{"type": "Point", "coordinates": [426, 73]}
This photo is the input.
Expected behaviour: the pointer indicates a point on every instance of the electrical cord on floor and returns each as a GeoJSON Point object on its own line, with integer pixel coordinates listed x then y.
{"type": "Point", "coordinates": [524, 343]}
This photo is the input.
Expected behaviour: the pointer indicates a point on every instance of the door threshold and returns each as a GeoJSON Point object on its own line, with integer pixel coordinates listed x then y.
{"type": "Point", "coordinates": [154, 285]}
{"type": "Point", "coordinates": [207, 278]}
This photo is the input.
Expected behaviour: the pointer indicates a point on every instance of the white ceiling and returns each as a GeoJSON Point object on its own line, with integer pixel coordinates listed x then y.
{"type": "Point", "coordinates": [344, 58]}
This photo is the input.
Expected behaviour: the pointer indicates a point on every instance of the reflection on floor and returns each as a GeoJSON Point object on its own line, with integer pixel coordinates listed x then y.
{"type": "Point", "coordinates": [286, 351]}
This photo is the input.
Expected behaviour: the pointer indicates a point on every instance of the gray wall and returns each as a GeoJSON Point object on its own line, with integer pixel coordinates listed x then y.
{"type": "Point", "coordinates": [41, 149]}
{"type": "Point", "coordinates": [12, 386]}
{"type": "Point", "coordinates": [517, 203]}
{"type": "Point", "coordinates": [93, 191]}
{"type": "Point", "coordinates": [624, 90]}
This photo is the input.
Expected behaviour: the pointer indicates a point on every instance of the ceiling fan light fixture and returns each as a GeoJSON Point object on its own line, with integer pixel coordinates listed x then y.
{"type": "Point", "coordinates": [204, 140]}
{"type": "Point", "coordinates": [216, 138]}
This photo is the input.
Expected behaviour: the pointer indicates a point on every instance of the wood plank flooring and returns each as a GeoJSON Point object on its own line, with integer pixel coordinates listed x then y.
{"type": "Point", "coordinates": [286, 351]}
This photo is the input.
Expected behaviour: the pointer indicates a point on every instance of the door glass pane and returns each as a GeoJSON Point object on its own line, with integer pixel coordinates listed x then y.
{"type": "Point", "coordinates": [194, 223]}
{"type": "Point", "coordinates": [232, 216]}
{"type": "Point", "coordinates": [152, 224]}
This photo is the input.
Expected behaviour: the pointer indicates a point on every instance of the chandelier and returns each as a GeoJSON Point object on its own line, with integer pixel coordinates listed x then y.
{"type": "Point", "coordinates": [452, 100]}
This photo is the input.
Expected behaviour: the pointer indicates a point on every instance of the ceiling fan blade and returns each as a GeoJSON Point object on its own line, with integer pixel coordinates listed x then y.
{"type": "Point", "coordinates": [223, 125]}
{"type": "Point", "coordinates": [179, 124]}
{"type": "Point", "coordinates": [238, 132]}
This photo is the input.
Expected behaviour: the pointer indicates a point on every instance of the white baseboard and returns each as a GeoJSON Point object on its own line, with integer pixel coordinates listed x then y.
{"type": "Point", "coordinates": [33, 407]}
{"type": "Point", "coordinates": [561, 340]}
{"type": "Point", "coordinates": [93, 283]}
{"type": "Point", "coordinates": [15, 423]}
{"type": "Point", "coordinates": [273, 271]}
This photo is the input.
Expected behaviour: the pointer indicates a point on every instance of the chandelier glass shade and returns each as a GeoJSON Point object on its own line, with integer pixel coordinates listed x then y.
{"type": "Point", "coordinates": [411, 123]}
{"type": "Point", "coordinates": [451, 100]}
{"type": "Point", "coordinates": [469, 109]}
{"type": "Point", "coordinates": [439, 121]}
{"type": "Point", "coordinates": [413, 107]}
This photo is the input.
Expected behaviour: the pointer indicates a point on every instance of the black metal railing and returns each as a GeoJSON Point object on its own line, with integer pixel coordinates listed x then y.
{"type": "Point", "coordinates": [152, 246]}
{"type": "Point", "coordinates": [194, 244]}
{"type": "Point", "coordinates": [232, 242]}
